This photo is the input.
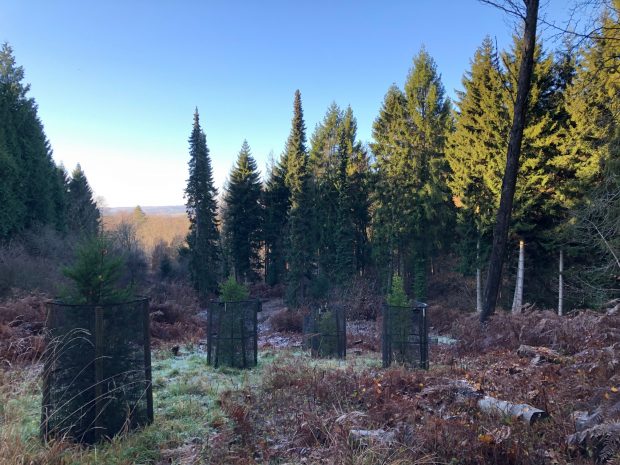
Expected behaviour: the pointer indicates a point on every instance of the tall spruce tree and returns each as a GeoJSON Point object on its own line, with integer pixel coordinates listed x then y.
{"type": "Point", "coordinates": [243, 216]}
{"type": "Point", "coordinates": [358, 175]}
{"type": "Point", "coordinates": [323, 167]}
{"type": "Point", "coordinates": [60, 198]}
{"type": "Point", "coordinates": [477, 153]}
{"type": "Point", "coordinates": [413, 207]}
{"type": "Point", "coordinates": [300, 249]}
{"type": "Point", "coordinates": [429, 110]}
{"type": "Point", "coordinates": [334, 146]}
{"type": "Point", "coordinates": [590, 158]}
{"type": "Point", "coordinates": [393, 198]}
{"type": "Point", "coordinates": [474, 152]}
{"type": "Point", "coordinates": [83, 216]}
{"type": "Point", "coordinates": [502, 222]}
{"type": "Point", "coordinates": [277, 203]}
{"type": "Point", "coordinates": [28, 173]}
{"type": "Point", "coordinates": [201, 194]}
{"type": "Point", "coordinates": [344, 227]}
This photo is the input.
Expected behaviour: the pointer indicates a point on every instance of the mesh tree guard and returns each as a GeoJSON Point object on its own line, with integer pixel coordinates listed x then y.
{"type": "Point", "coordinates": [232, 338]}
{"type": "Point", "coordinates": [97, 372]}
{"type": "Point", "coordinates": [325, 332]}
{"type": "Point", "coordinates": [405, 335]}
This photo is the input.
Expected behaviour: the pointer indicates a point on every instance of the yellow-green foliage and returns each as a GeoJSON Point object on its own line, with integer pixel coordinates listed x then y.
{"type": "Point", "coordinates": [397, 296]}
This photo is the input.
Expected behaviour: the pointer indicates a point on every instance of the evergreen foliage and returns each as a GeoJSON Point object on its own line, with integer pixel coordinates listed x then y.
{"type": "Point", "coordinates": [233, 291]}
{"type": "Point", "coordinates": [200, 193]}
{"type": "Point", "coordinates": [397, 297]}
{"type": "Point", "coordinates": [277, 203]}
{"type": "Point", "coordinates": [591, 151]}
{"type": "Point", "coordinates": [300, 248]}
{"type": "Point", "coordinates": [29, 191]}
{"type": "Point", "coordinates": [96, 274]}
{"type": "Point", "coordinates": [243, 216]}
{"type": "Point", "coordinates": [83, 217]}
{"type": "Point", "coordinates": [475, 150]}
{"type": "Point", "coordinates": [412, 204]}
{"type": "Point", "coordinates": [339, 167]}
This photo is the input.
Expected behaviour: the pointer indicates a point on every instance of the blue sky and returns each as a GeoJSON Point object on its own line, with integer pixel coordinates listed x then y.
{"type": "Point", "coordinates": [117, 81]}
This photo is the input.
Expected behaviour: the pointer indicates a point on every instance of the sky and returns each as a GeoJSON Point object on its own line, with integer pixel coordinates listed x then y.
{"type": "Point", "coordinates": [117, 81]}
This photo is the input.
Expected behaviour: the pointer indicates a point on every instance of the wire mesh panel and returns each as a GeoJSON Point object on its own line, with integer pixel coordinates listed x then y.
{"type": "Point", "coordinates": [97, 374]}
{"type": "Point", "coordinates": [325, 332]}
{"type": "Point", "coordinates": [232, 338]}
{"type": "Point", "coordinates": [405, 335]}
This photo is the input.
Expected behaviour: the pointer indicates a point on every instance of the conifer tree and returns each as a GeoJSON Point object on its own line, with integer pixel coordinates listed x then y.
{"type": "Point", "coordinates": [334, 147]}
{"type": "Point", "coordinates": [393, 198]}
{"type": "Point", "coordinates": [28, 174]}
{"type": "Point", "coordinates": [324, 160]}
{"type": "Point", "coordinates": [474, 152]}
{"type": "Point", "coordinates": [60, 197]}
{"type": "Point", "coordinates": [591, 151]}
{"type": "Point", "coordinates": [359, 177]}
{"type": "Point", "coordinates": [593, 106]}
{"type": "Point", "coordinates": [413, 207]}
{"type": "Point", "coordinates": [300, 249]}
{"type": "Point", "coordinates": [83, 216]}
{"type": "Point", "coordinates": [477, 153]}
{"type": "Point", "coordinates": [344, 227]}
{"type": "Point", "coordinates": [242, 216]}
{"type": "Point", "coordinates": [277, 204]}
{"type": "Point", "coordinates": [429, 110]}
{"type": "Point", "coordinates": [200, 193]}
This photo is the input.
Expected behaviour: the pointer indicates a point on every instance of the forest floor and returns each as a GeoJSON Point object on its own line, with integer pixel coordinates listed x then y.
{"type": "Point", "coordinates": [294, 409]}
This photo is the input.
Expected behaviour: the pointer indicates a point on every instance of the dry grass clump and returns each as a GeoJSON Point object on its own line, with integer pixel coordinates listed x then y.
{"type": "Point", "coordinates": [175, 309]}
{"type": "Point", "coordinates": [361, 299]}
{"type": "Point", "coordinates": [262, 290]}
{"type": "Point", "coordinates": [569, 334]}
{"type": "Point", "coordinates": [287, 321]}
{"type": "Point", "coordinates": [21, 326]}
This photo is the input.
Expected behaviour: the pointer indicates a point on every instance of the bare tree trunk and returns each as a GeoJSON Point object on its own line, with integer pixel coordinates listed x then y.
{"type": "Point", "coordinates": [517, 302]}
{"type": "Point", "coordinates": [502, 222]}
{"type": "Point", "coordinates": [561, 284]}
{"type": "Point", "coordinates": [478, 279]}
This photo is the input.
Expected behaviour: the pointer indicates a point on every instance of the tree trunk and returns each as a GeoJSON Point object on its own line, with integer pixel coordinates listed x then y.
{"type": "Point", "coordinates": [502, 222]}
{"type": "Point", "coordinates": [561, 284]}
{"type": "Point", "coordinates": [517, 302]}
{"type": "Point", "coordinates": [478, 279]}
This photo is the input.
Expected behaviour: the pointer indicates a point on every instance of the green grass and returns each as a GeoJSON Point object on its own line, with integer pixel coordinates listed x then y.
{"type": "Point", "coordinates": [186, 393]}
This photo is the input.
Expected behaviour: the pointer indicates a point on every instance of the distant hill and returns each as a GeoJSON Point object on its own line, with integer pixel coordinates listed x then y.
{"type": "Point", "coordinates": [162, 210]}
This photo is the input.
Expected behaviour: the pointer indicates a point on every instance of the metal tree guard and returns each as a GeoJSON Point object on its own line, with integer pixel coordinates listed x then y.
{"type": "Point", "coordinates": [405, 335]}
{"type": "Point", "coordinates": [325, 332]}
{"type": "Point", "coordinates": [232, 334]}
{"type": "Point", "coordinates": [97, 370]}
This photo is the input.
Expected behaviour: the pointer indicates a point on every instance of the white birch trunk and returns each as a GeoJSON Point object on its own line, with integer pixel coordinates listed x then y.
{"type": "Point", "coordinates": [561, 284]}
{"type": "Point", "coordinates": [517, 302]}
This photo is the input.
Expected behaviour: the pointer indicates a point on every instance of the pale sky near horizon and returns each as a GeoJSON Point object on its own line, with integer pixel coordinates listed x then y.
{"type": "Point", "coordinates": [117, 82]}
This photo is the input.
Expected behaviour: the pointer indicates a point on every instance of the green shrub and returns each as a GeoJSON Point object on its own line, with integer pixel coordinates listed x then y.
{"type": "Point", "coordinates": [397, 296]}
{"type": "Point", "coordinates": [96, 273]}
{"type": "Point", "coordinates": [232, 291]}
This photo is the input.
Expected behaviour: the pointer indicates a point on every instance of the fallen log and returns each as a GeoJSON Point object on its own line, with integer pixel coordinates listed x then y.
{"type": "Point", "coordinates": [489, 404]}
{"type": "Point", "coordinates": [523, 412]}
